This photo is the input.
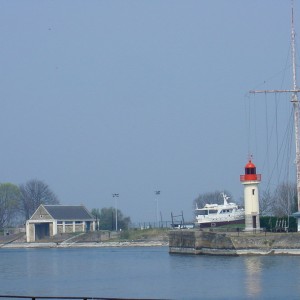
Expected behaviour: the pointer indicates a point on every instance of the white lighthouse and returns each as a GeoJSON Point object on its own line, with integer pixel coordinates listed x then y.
{"type": "Point", "coordinates": [251, 180]}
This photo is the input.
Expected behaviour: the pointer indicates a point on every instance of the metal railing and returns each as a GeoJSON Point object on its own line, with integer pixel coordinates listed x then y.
{"type": "Point", "coordinates": [74, 298]}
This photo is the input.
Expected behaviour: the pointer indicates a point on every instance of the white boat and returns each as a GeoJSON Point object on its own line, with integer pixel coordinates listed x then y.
{"type": "Point", "coordinates": [212, 215]}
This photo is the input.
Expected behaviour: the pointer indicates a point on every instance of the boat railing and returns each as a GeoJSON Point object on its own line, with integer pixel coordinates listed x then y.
{"type": "Point", "coordinates": [233, 230]}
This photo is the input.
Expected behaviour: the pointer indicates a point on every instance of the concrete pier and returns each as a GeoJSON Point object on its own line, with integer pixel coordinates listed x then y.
{"type": "Point", "coordinates": [233, 243]}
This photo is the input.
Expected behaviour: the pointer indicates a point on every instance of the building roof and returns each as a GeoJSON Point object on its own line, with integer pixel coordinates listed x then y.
{"type": "Point", "coordinates": [296, 214]}
{"type": "Point", "coordinates": [68, 212]}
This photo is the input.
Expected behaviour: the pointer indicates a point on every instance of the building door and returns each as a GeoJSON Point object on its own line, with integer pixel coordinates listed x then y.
{"type": "Point", "coordinates": [88, 226]}
{"type": "Point", "coordinates": [42, 231]}
{"type": "Point", "coordinates": [253, 221]}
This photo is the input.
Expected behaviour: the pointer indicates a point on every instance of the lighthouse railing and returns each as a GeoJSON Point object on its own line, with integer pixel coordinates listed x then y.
{"type": "Point", "coordinates": [250, 177]}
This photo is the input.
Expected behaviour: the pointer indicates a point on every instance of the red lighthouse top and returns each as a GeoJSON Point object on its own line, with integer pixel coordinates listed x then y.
{"type": "Point", "coordinates": [250, 173]}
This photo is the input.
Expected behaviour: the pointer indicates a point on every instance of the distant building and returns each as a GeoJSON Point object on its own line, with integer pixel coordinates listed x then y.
{"type": "Point", "coordinates": [49, 220]}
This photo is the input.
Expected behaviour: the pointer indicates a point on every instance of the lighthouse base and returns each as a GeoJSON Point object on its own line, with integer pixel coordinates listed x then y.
{"type": "Point", "coordinates": [252, 222]}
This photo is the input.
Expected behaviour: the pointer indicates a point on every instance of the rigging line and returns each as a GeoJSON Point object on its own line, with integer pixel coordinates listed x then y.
{"type": "Point", "coordinates": [281, 150]}
{"type": "Point", "coordinates": [276, 130]}
{"type": "Point", "coordinates": [286, 68]}
{"type": "Point", "coordinates": [285, 144]}
{"type": "Point", "coordinates": [250, 112]}
{"type": "Point", "coordinates": [286, 157]}
{"type": "Point", "coordinates": [274, 126]}
{"type": "Point", "coordinates": [255, 129]}
{"type": "Point", "coordinates": [267, 128]}
{"type": "Point", "coordinates": [262, 84]}
{"type": "Point", "coordinates": [247, 118]}
{"type": "Point", "coordinates": [286, 160]}
{"type": "Point", "coordinates": [289, 155]}
{"type": "Point", "coordinates": [269, 138]}
{"type": "Point", "coordinates": [280, 157]}
{"type": "Point", "coordinates": [249, 128]}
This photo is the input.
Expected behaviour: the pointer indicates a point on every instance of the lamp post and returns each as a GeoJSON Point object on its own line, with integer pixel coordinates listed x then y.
{"type": "Point", "coordinates": [116, 196]}
{"type": "Point", "coordinates": [157, 193]}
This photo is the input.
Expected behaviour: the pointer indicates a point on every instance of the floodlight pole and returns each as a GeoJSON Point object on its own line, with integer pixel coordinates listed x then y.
{"type": "Point", "coordinates": [157, 193]}
{"type": "Point", "coordinates": [116, 209]}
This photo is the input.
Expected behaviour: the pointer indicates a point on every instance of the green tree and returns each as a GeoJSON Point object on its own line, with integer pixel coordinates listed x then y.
{"type": "Point", "coordinates": [107, 219]}
{"type": "Point", "coordinates": [9, 203]}
{"type": "Point", "coordinates": [33, 194]}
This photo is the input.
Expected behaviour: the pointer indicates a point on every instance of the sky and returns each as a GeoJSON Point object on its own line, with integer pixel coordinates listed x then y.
{"type": "Point", "coordinates": [130, 97]}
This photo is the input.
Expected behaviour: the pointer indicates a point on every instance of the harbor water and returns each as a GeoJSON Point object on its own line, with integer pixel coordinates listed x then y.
{"type": "Point", "coordinates": [146, 272]}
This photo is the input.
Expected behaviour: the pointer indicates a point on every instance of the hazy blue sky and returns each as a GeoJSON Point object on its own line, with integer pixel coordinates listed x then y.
{"type": "Point", "coordinates": [129, 97]}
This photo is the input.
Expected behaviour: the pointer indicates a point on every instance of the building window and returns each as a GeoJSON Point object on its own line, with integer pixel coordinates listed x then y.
{"type": "Point", "coordinates": [253, 192]}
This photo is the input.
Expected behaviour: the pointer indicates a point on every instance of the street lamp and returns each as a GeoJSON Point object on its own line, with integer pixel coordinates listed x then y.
{"type": "Point", "coordinates": [116, 196]}
{"type": "Point", "coordinates": [157, 193]}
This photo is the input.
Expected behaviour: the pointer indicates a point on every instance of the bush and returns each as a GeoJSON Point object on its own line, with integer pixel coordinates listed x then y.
{"type": "Point", "coordinates": [124, 235]}
{"type": "Point", "coordinates": [270, 222]}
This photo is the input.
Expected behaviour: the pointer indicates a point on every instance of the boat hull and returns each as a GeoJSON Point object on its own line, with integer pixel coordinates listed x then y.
{"type": "Point", "coordinates": [219, 223]}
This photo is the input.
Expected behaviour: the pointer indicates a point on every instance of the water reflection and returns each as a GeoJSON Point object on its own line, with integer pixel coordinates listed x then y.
{"type": "Point", "coordinates": [253, 275]}
{"type": "Point", "coordinates": [146, 273]}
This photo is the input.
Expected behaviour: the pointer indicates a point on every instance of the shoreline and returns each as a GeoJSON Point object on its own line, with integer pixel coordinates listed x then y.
{"type": "Point", "coordinates": [85, 245]}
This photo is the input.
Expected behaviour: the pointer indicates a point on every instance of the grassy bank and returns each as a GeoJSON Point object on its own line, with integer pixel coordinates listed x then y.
{"type": "Point", "coordinates": [151, 234]}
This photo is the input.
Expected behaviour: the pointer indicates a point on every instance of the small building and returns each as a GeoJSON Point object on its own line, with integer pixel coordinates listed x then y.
{"type": "Point", "coordinates": [50, 220]}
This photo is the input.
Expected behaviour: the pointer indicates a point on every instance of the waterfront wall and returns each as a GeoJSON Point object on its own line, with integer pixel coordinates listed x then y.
{"type": "Point", "coordinates": [214, 243]}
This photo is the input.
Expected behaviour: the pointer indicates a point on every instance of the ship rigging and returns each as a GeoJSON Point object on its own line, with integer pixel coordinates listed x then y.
{"type": "Point", "coordinates": [295, 102]}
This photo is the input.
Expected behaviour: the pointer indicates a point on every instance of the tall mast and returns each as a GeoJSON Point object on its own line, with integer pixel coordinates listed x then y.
{"type": "Point", "coordinates": [294, 92]}
{"type": "Point", "coordinates": [296, 110]}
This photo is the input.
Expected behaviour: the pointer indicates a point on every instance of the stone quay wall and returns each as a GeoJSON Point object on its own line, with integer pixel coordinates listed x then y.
{"type": "Point", "coordinates": [187, 241]}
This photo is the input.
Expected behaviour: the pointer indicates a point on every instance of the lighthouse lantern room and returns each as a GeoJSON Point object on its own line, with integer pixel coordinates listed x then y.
{"type": "Point", "coordinates": [251, 180]}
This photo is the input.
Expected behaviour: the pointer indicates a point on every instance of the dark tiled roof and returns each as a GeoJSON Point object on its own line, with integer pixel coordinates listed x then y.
{"type": "Point", "coordinates": [68, 212]}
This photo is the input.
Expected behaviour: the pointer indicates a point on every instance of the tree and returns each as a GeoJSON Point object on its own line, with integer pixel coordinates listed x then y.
{"type": "Point", "coordinates": [107, 219]}
{"type": "Point", "coordinates": [210, 198]}
{"type": "Point", "coordinates": [9, 203]}
{"type": "Point", "coordinates": [266, 203]}
{"type": "Point", "coordinates": [285, 199]}
{"type": "Point", "coordinates": [33, 194]}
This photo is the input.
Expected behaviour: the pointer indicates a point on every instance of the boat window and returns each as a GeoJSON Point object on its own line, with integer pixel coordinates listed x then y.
{"type": "Point", "coordinates": [213, 211]}
{"type": "Point", "coordinates": [202, 212]}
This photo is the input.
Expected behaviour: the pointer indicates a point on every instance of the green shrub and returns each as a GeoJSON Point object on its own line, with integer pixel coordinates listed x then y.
{"type": "Point", "coordinates": [269, 223]}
